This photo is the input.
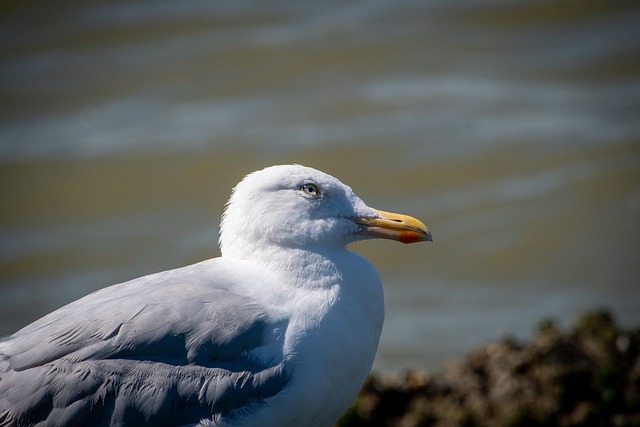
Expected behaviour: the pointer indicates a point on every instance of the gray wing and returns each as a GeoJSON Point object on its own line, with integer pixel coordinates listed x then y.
{"type": "Point", "coordinates": [165, 349]}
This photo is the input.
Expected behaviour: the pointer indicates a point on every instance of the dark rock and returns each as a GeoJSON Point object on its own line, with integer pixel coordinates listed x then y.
{"type": "Point", "coordinates": [588, 376]}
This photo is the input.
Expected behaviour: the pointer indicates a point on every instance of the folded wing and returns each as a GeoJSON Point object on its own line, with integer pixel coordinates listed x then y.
{"type": "Point", "coordinates": [166, 349]}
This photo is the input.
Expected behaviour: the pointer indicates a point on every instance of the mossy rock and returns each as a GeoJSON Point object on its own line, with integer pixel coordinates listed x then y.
{"type": "Point", "coordinates": [587, 376]}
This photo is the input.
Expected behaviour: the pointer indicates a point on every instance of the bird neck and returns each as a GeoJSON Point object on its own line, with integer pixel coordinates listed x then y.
{"type": "Point", "coordinates": [309, 268]}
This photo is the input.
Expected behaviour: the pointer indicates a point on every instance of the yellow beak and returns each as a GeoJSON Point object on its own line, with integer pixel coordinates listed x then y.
{"type": "Point", "coordinates": [388, 225]}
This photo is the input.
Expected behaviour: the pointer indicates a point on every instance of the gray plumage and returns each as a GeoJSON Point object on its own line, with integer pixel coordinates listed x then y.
{"type": "Point", "coordinates": [128, 355]}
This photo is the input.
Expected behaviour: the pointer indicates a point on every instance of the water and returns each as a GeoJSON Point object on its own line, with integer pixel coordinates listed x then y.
{"type": "Point", "coordinates": [511, 129]}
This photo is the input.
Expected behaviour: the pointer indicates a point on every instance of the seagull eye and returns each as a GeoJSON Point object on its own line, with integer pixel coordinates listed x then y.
{"type": "Point", "coordinates": [310, 189]}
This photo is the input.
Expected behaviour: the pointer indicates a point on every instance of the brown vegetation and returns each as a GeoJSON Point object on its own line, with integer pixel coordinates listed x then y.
{"type": "Point", "coordinates": [589, 376]}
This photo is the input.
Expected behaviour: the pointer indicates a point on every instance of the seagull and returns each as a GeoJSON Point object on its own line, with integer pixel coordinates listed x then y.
{"type": "Point", "coordinates": [280, 330]}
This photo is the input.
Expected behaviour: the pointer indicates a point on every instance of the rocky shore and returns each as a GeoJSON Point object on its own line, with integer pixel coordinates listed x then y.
{"type": "Point", "coordinates": [587, 376]}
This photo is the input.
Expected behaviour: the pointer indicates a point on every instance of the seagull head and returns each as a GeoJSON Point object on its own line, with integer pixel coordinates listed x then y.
{"type": "Point", "coordinates": [301, 207]}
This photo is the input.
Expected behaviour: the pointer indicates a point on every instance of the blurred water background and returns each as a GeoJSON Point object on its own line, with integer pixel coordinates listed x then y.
{"type": "Point", "coordinates": [511, 128]}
